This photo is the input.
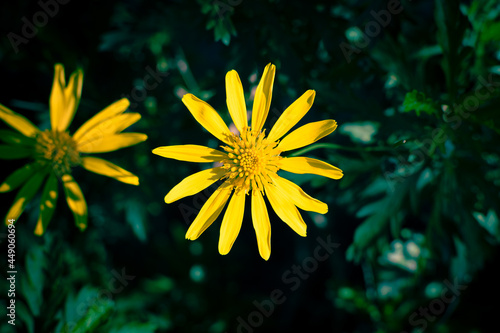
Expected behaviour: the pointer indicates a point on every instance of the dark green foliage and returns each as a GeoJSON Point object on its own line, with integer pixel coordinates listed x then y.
{"type": "Point", "coordinates": [416, 215]}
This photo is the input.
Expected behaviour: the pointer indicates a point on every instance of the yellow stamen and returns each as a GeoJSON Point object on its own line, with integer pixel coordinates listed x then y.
{"type": "Point", "coordinates": [250, 159]}
{"type": "Point", "coordinates": [57, 149]}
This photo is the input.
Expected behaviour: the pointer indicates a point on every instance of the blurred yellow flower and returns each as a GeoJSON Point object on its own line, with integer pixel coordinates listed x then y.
{"type": "Point", "coordinates": [249, 163]}
{"type": "Point", "coordinates": [54, 151]}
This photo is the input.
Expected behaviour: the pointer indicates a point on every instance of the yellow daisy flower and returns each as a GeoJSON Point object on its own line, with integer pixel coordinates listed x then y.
{"type": "Point", "coordinates": [54, 151]}
{"type": "Point", "coordinates": [250, 162]}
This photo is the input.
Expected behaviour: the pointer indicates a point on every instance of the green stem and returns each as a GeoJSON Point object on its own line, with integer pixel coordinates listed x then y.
{"type": "Point", "coordinates": [338, 147]}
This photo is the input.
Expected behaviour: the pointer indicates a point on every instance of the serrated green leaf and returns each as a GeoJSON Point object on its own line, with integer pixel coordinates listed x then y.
{"type": "Point", "coordinates": [374, 226]}
{"type": "Point", "coordinates": [418, 102]}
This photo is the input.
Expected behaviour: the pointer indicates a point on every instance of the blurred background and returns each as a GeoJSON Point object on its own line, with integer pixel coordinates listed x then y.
{"type": "Point", "coordinates": [410, 242]}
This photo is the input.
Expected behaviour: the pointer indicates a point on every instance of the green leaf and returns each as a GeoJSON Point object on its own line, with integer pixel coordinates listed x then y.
{"type": "Point", "coordinates": [47, 204]}
{"type": "Point", "coordinates": [35, 265]}
{"type": "Point", "coordinates": [425, 178]}
{"type": "Point", "coordinates": [418, 102]}
{"type": "Point", "coordinates": [378, 222]}
{"type": "Point", "coordinates": [34, 280]}
{"type": "Point", "coordinates": [135, 215]}
{"type": "Point", "coordinates": [25, 316]}
{"type": "Point", "coordinates": [29, 292]}
{"type": "Point", "coordinates": [95, 315]}
{"type": "Point", "coordinates": [137, 328]}
{"type": "Point", "coordinates": [491, 32]}
{"type": "Point", "coordinates": [8, 152]}
{"type": "Point", "coordinates": [489, 222]}
{"type": "Point", "coordinates": [366, 233]}
{"type": "Point", "coordinates": [451, 26]}
{"type": "Point", "coordinates": [210, 24]}
{"type": "Point", "coordinates": [25, 194]}
{"type": "Point", "coordinates": [76, 201]}
{"type": "Point", "coordinates": [76, 307]}
{"type": "Point", "coordinates": [17, 178]}
{"type": "Point", "coordinates": [15, 138]}
{"type": "Point", "coordinates": [159, 285]}
{"type": "Point", "coordinates": [85, 312]}
{"type": "Point", "coordinates": [369, 209]}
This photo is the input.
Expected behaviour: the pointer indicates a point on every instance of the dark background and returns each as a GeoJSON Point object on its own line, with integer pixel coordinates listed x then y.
{"type": "Point", "coordinates": [409, 218]}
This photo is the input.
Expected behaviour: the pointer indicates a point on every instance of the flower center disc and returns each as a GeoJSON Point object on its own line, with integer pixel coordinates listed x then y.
{"type": "Point", "coordinates": [57, 149]}
{"type": "Point", "coordinates": [249, 161]}
{"type": "Point", "coordinates": [251, 158]}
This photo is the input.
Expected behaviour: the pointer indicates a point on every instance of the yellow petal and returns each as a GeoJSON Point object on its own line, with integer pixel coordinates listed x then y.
{"type": "Point", "coordinates": [72, 93]}
{"type": "Point", "coordinates": [112, 142]}
{"type": "Point", "coordinates": [15, 210]}
{"type": "Point", "coordinates": [309, 165]}
{"type": "Point", "coordinates": [286, 210]}
{"type": "Point", "coordinates": [263, 95]}
{"type": "Point", "coordinates": [76, 201]}
{"type": "Point", "coordinates": [64, 99]}
{"type": "Point", "coordinates": [191, 153]}
{"type": "Point", "coordinates": [106, 168]}
{"type": "Point", "coordinates": [210, 211]}
{"type": "Point", "coordinates": [261, 224]}
{"type": "Point", "coordinates": [110, 126]}
{"type": "Point", "coordinates": [195, 183]}
{"type": "Point", "coordinates": [207, 117]}
{"type": "Point", "coordinates": [235, 100]}
{"type": "Point", "coordinates": [109, 112]}
{"type": "Point", "coordinates": [292, 115]}
{"type": "Point", "coordinates": [25, 194]}
{"type": "Point", "coordinates": [231, 223]}
{"type": "Point", "coordinates": [18, 122]}
{"type": "Point", "coordinates": [299, 198]}
{"type": "Point", "coordinates": [47, 204]}
{"type": "Point", "coordinates": [307, 134]}
{"type": "Point", "coordinates": [56, 101]}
